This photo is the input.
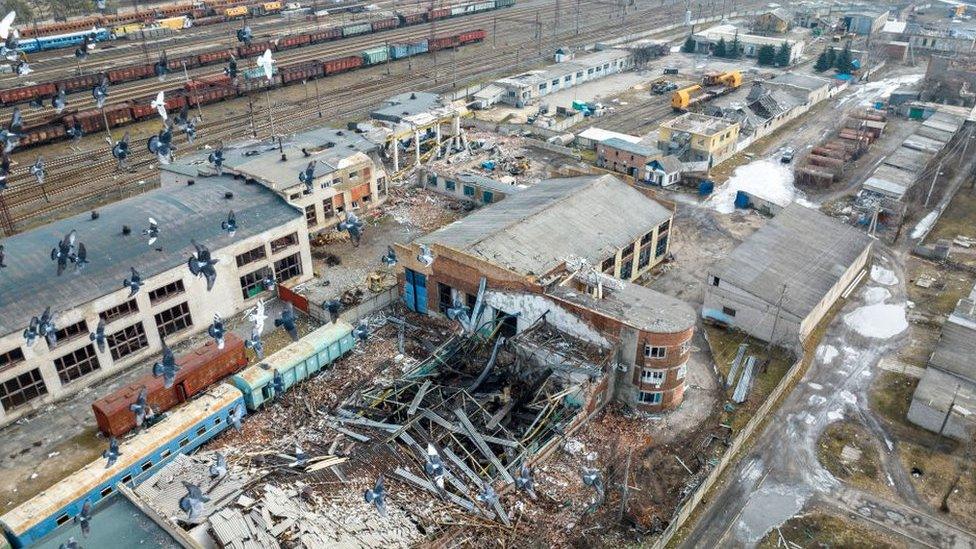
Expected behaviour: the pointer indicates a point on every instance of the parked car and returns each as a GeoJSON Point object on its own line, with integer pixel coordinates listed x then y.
{"type": "Point", "coordinates": [787, 156]}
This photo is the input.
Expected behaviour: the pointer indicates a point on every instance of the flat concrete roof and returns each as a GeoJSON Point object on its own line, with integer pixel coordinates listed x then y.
{"type": "Point", "coordinates": [406, 104]}
{"type": "Point", "coordinates": [637, 306]}
{"type": "Point", "coordinates": [700, 124]}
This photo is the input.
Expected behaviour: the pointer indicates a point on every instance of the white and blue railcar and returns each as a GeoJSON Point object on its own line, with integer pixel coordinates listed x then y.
{"type": "Point", "coordinates": [57, 41]}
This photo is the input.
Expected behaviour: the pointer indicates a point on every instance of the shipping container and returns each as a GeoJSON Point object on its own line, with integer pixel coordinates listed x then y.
{"type": "Point", "coordinates": [27, 93]}
{"type": "Point", "coordinates": [271, 7]}
{"type": "Point", "coordinates": [215, 56]}
{"type": "Point", "coordinates": [130, 73]}
{"type": "Point", "coordinates": [199, 369]}
{"type": "Point", "coordinates": [383, 24]}
{"type": "Point", "coordinates": [325, 35]}
{"type": "Point", "coordinates": [359, 28]}
{"type": "Point", "coordinates": [293, 41]}
{"type": "Point", "coordinates": [342, 64]}
{"type": "Point", "coordinates": [303, 71]}
{"type": "Point", "coordinates": [375, 56]}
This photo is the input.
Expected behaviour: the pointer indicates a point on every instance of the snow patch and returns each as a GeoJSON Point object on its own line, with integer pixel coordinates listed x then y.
{"type": "Point", "coordinates": [848, 397]}
{"type": "Point", "coordinates": [815, 386]}
{"type": "Point", "coordinates": [767, 178]}
{"type": "Point", "coordinates": [827, 353]}
{"type": "Point", "coordinates": [880, 320]}
{"type": "Point", "coordinates": [868, 93]}
{"type": "Point", "coordinates": [925, 224]}
{"type": "Point", "coordinates": [885, 277]}
{"type": "Point", "coordinates": [834, 415]}
{"type": "Point", "coordinates": [816, 400]}
{"type": "Point", "coordinates": [876, 295]}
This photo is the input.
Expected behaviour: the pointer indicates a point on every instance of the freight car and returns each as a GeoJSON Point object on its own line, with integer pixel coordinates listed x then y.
{"type": "Point", "coordinates": [199, 369]}
{"type": "Point", "coordinates": [49, 514]}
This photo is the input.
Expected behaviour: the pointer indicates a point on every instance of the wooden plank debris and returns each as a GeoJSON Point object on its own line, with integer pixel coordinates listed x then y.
{"type": "Point", "coordinates": [418, 398]}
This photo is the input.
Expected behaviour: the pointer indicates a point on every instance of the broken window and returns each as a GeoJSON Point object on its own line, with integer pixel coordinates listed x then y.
{"type": "Point", "coordinates": [22, 389]}
{"type": "Point", "coordinates": [662, 246]}
{"type": "Point", "coordinates": [165, 292]}
{"type": "Point", "coordinates": [649, 397]}
{"type": "Point", "coordinates": [76, 364]}
{"type": "Point", "coordinates": [11, 357]}
{"type": "Point", "coordinates": [655, 352]}
{"type": "Point", "coordinates": [450, 185]}
{"type": "Point", "coordinates": [127, 341]}
{"type": "Point", "coordinates": [728, 311]}
{"type": "Point", "coordinates": [174, 320]}
{"type": "Point", "coordinates": [119, 311]}
{"type": "Point", "coordinates": [444, 298]}
{"type": "Point", "coordinates": [645, 258]}
{"type": "Point", "coordinates": [607, 265]}
{"type": "Point", "coordinates": [279, 244]}
{"type": "Point", "coordinates": [251, 283]}
{"type": "Point", "coordinates": [288, 267]}
{"type": "Point", "coordinates": [310, 216]}
{"type": "Point", "coordinates": [713, 280]}
{"type": "Point", "coordinates": [468, 190]}
{"type": "Point", "coordinates": [653, 376]}
{"type": "Point", "coordinates": [72, 331]}
{"type": "Point", "coordinates": [327, 209]}
{"type": "Point", "coordinates": [251, 256]}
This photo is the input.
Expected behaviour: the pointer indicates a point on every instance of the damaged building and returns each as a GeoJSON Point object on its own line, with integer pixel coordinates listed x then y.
{"type": "Point", "coordinates": [580, 286]}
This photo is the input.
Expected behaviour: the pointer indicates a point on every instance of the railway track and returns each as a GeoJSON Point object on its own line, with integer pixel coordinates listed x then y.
{"type": "Point", "coordinates": [100, 178]}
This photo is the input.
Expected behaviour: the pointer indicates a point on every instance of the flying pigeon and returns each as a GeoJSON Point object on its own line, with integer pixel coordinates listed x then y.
{"type": "Point", "coordinates": [258, 316]}
{"type": "Point", "coordinates": [79, 257]}
{"type": "Point", "coordinates": [591, 478]}
{"type": "Point", "coordinates": [287, 321]}
{"type": "Point", "coordinates": [72, 543]}
{"type": "Point", "coordinates": [10, 136]}
{"type": "Point", "coordinates": [83, 518]}
{"type": "Point", "coordinates": [4, 171]}
{"type": "Point", "coordinates": [353, 226]}
{"type": "Point", "coordinates": [98, 336]}
{"type": "Point", "coordinates": [32, 331]}
{"type": "Point", "coordinates": [38, 171]}
{"type": "Point", "coordinates": [81, 52]}
{"type": "Point", "coordinates": [161, 67]}
{"type": "Point", "coordinates": [216, 330]}
{"type": "Point", "coordinates": [425, 256]}
{"type": "Point", "coordinates": [278, 384]}
{"type": "Point", "coordinates": [152, 231]}
{"type": "Point", "coordinates": [267, 63]}
{"type": "Point", "coordinates": [47, 328]}
{"type": "Point", "coordinates": [120, 150]}
{"type": "Point", "coordinates": [134, 282]}
{"type": "Point", "coordinates": [190, 129]}
{"type": "Point", "coordinates": [2, 264]}
{"type": "Point", "coordinates": [167, 368]}
{"type": "Point", "coordinates": [268, 282]}
{"type": "Point", "coordinates": [525, 481]}
{"type": "Point", "coordinates": [36, 104]}
{"type": "Point", "coordinates": [255, 344]}
{"type": "Point", "coordinates": [219, 469]}
{"type": "Point", "coordinates": [75, 132]}
{"type": "Point", "coordinates": [487, 494]}
{"type": "Point", "coordinates": [100, 92]}
{"type": "Point", "coordinates": [161, 144]}
{"type": "Point", "coordinates": [182, 117]}
{"type": "Point", "coordinates": [63, 251]}
{"type": "Point", "coordinates": [307, 177]}
{"type": "Point", "coordinates": [217, 159]}
{"type": "Point", "coordinates": [377, 496]}
{"type": "Point", "coordinates": [60, 100]}
{"type": "Point", "coordinates": [434, 466]}
{"type": "Point", "coordinates": [6, 24]}
{"type": "Point", "coordinates": [140, 407]}
{"type": "Point", "coordinates": [23, 68]}
{"type": "Point", "coordinates": [244, 35]}
{"type": "Point", "coordinates": [301, 458]}
{"type": "Point", "coordinates": [193, 502]}
{"type": "Point", "coordinates": [160, 104]}
{"type": "Point", "coordinates": [333, 306]}
{"type": "Point", "coordinates": [235, 416]}
{"type": "Point", "coordinates": [458, 310]}
{"type": "Point", "coordinates": [201, 264]}
{"type": "Point", "coordinates": [361, 332]}
{"type": "Point", "coordinates": [389, 258]}
{"type": "Point", "coordinates": [230, 225]}
{"type": "Point", "coordinates": [231, 69]}
{"type": "Point", "coordinates": [112, 453]}
{"type": "Point", "coordinates": [100, 4]}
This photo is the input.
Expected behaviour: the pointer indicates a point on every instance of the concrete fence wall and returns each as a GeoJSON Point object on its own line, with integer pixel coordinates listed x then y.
{"type": "Point", "coordinates": [686, 508]}
{"type": "Point", "coordinates": [354, 314]}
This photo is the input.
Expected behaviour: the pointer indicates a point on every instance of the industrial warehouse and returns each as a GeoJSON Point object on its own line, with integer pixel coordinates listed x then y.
{"type": "Point", "coordinates": [487, 273]}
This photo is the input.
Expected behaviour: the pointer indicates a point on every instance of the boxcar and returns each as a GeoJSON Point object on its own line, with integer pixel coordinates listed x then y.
{"type": "Point", "coordinates": [90, 120]}
{"type": "Point", "coordinates": [293, 41]}
{"type": "Point", "coordinates": [27, 93]}
{"type": "Point", "coordinates": [296, 362]}
{"type": "Point", "coordinates": [325, 35]}
{"type": "Point", "coordinates": [176, 63]}
{"type": "Point", "coordinates": [358, 28]}
{"type": "Point", "coordinates": [383, 24]}
{"type": "Point", "coordinates": [342, 64]}
{"type": "Point", "coordinates": [209, 20]}
{"type": "Point", "coordinates": [375, 56]}
{"type": "Point", "coordinates": [199, 369]}
{"type": "Point", "coordinates": [142, 456]}
{"type": "Point", "coordinates": [118, 115]}
{"type": "Point", "coordinates": [302, 71]}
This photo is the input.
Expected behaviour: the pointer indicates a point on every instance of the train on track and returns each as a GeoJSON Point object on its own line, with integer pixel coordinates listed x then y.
{"type": "Point", "coordinates": [67, 40]}
{"type": "Point", "coordinates": [218, 87]}
{"type": "Point", "coordinates": [182, 430]}
{"type": "Point", "coordinates": [129, 73]}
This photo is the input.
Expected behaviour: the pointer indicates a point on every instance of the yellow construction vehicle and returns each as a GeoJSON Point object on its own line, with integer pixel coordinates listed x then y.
{"type": "Point", "coordinates": [713, 85]}
{"type": "Point", "coordinates": [681, 99]}
{"type": "Point", "coordinates": [729, 79]}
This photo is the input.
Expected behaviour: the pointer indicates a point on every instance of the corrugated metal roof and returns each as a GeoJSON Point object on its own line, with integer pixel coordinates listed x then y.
{"type": "Point", "coordinates": [527, 232]}
{"type": "Point", "coordinates": [29, 284]}
{"type": "Point", "coordinates": [800, 248]}
{"type": "Point", "coordinates": [627, 146]}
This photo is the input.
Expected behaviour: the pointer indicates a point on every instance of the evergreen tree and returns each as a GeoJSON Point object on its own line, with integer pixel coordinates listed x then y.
{"type": "Point", "coordinates": [735, 47]}
{"type": "Point", "coordinates": [784, 55]}
{"type": "Point", "coordinates": [823, 63]}
{"type": "Point", "coordinates": [844, 63]}
{"type": "Point", "coordinates": [831, 57]}
{"type": "Point", "coordinates": [766, 55]}
{"type": "Point", "coordinates": [689, 46]}
{"type": "Point", "coordinates": [720, 49]}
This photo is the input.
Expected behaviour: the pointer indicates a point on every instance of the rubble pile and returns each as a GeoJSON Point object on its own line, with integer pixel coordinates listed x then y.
{"type": "Point", "coordinates": [421, 208]}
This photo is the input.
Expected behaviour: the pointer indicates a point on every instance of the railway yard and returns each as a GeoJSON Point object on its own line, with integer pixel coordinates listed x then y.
{"type": "Point", "coordinates": [498, 273]}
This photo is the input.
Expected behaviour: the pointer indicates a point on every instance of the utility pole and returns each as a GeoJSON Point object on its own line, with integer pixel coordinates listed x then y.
{"type": "Point", "coordinates": [935, 176]}
{"type": "Point", "coordinates": [318, 103]}
{"type": "Point", "coordinates": [267, 94]}
{"type": "Point", "coordinates": [577, 17]}
{"type": "Point", "coordinates": [250, 110]}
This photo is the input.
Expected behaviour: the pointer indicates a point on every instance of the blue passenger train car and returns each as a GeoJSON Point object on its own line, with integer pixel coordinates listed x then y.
{"type": "Point", "coordinates": [53, 42]}
{"type": "Point", "coordinates": [182, 431]}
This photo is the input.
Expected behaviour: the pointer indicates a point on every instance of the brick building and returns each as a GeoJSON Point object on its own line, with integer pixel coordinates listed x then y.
{"type": "Point", "coordinates": [581, 285]}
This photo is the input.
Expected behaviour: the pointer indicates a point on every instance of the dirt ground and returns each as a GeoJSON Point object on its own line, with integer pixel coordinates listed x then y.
{"type": "Point", "coordinates": [935, 472]}
{"type": "Point", "coordinates": [819, 529]}
{"type": "Point", "coordinates": [847, 449]}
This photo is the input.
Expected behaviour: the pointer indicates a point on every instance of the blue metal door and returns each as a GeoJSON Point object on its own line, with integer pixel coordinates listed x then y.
{"type": "Point", "coordinates": [415, 291]}
{"type": "Point", "coordinates": [408, 290]}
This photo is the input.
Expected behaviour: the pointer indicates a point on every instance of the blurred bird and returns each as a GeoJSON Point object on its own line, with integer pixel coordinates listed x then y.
{"type": "Point", "coordinates": [167, 367]}
{"type": "Point", "coordinates": [79, 257]}
{"type": "Point", "coordinates": [268, 282]}
{"type": "Point", "coordinates": [230, 224]}
{"type": "Point", "coordinates": [231, 69]}
{"type": "Point", "coordinates": [592, 478]}
{"type": "Point", "coordinates": [244, 35]}
{"type": "Point", "coordinates": [307, 177]}
{"type": "Point", "coordinates": [425, 256]}
{"type": "Point", "coordinates": [202, 264]}
{"type": "Point", "coordinates": [235, 416]}
{"type": "Point", "coordinates": [216, 158]}
{"type": "Point", "coordinates": [10, 136]}
{"type": "Point", "coordinates": [389, 258]}
{"type": "Point", "coordinates": [255, 344]}
{"type": "Point", "coordinates": [140, 407]}
{"type": "Point", "coordinates": [63, 251]}
{"type": "Point", "coordinates": [72, 543]}
{"type": "Point", "coordinates": [278, 384]}
{"type": "Point", "coordinates": [98, 336]}
{"type": "Point", "coordinates": [192, 502]}
{"type": "Point", "coordinates": [32, 331]}
{"type": "Point", "coordinates": [377, 496]}
{"type": "Point", "coordinates": [60, 100]}
{"type": "Point", "coordinates": [353, 226]}
{"type": "Point", "coordinates": [112, 453]}
{"type": "Point", "coordinates": [182, 117]}
{"type": "Point", "coordinates": [219, 469]}
{"type": "Point", "coordinates": [258, 316]}
{"type": "Point", "coordinates": [152, 231]}
{"type": "Point", "coordinates": [216, 330]}
{"type": "Point", "coordinates": [361, 332]}
{"type": "Point", "coordinates": [83, 518]}
{"type": "Point", "coordinates": [287, 321]}
{"type": "Point", "coordinates": [100, 4]}
{"type": "Point", "coordinates": [9, 42]}
{"type": "Point", "coordinates": [434, 466]}
{"type": "Point", "coordinates": [134, 282]}
{"type": "Point", "coordinates": [190, 129]}
{"type": "Point", "coordinates": [161, 67]}
{"type": "Point", "coordinates": [47, 328]}
{"type": "Point", "coordinates": [36, 104]}
{"type": "Point", "coordinates": [23, 68]}
{"type": "Point", "coordinates": [38, 171]}
{"type": "Point", "coordinates": [120, 150]}
{"type": "Point", "coordinates": [100, 92]}
{"type": "Point", "coordinates": [4, 171]}
{"type": "Point", "coordinates": [161, 144]}
{"type": "Point", "coordinates": [301, 458]}
{"type": "Point", "coordinates": [2, 264]}
{"type": "Point", "coordinates": [333, 306]}
{"type": "Point", "coordinates": [267, 63]}
{"type": "Point", "coordinates": [81, 52]}
{"type": "Point", "coordinates": [525, 481]}
{"type": "Point", "coordinates": [487, 494]}
{"type": "Point", "coordinates": [160, 104]}
{"type": "Point", "coordinates": [75, 132]}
